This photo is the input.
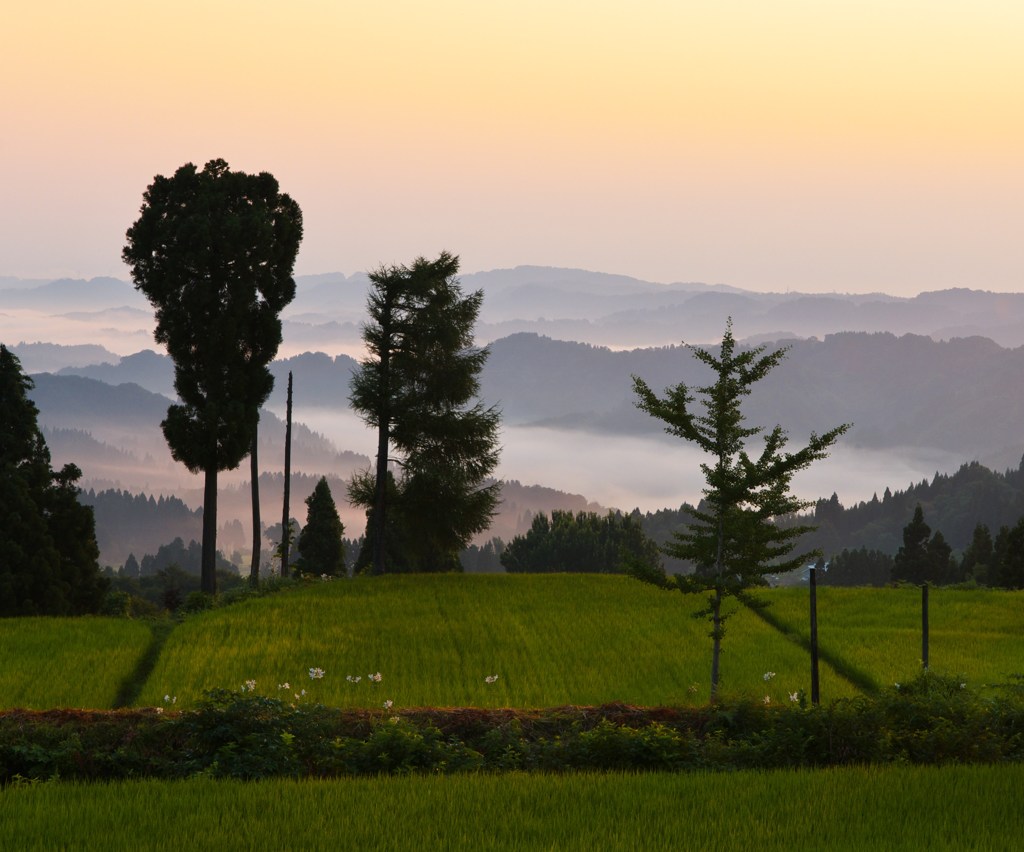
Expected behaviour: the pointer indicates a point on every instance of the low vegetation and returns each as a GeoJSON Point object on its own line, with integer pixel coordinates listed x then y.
{"type": "Point", "coordinates": [856, 808]}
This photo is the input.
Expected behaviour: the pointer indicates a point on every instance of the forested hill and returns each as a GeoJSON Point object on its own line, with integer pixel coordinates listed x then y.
{"type": "Point", "coordinates": [952, 504]}
{"type": "Point", "coordinates": [959, 396]}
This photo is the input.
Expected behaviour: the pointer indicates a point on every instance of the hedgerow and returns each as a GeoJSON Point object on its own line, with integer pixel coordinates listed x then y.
{"type": "Point", "coordinates": [238, 734]}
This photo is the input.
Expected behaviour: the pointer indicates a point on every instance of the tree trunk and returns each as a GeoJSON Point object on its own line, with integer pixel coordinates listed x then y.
{"type": "Point", "coordinates": [208, 579]}
{"type": "Point", "coordinates": [716, 641]}
{"type": "Point", "coordinates": [257, 532]}
{"type": "Point", "coordinates": [380, 501]}
{"type": "Point", "coordinates": [286, 529]}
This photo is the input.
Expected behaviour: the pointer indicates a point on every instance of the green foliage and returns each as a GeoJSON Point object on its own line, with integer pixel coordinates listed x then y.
{"type": "Point", "coordinates": [321, 546]}
{"type": "Point", "coordinates": [48, 550]}
{"type": "Point", "coordinates": [581, 542]}
{"type": "Point", "coordinates": [861, 567]}
{"type": "Point", "coordinates": [1009, 556]}
{"type": "Point", "coordinates": [924, 557]}
{"type": "Point", "coordinates": [930, 720]}
{"type": "Point", "coordinates": [734, 539]}
{"type": "Point", "coordinates": [418, 388]}
{"type": "Point", "coordinates": [213, 251]}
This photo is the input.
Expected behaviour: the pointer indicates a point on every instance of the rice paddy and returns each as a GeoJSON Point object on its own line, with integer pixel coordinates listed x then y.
{"type": "Point", "coordinates": [873, 808]}
{"type": "Point", "coordinates": [506, 641]}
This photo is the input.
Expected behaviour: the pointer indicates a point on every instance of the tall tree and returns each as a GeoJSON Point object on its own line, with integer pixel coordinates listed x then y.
{"type": "Point", "coordinates": [924, 557]}
{"type": "Point", "coordinates": [733, 539]}
{"type": "Point", "coordinates": [48, 551]}
{"type": "Point", "coordinates": [286, 518]}
{"type": "Point", "coordinates": [213, 251]}
{"type": "Point", "coordinates": [321, 548]}
{"type": "Point", "coordinates": [418, 389]}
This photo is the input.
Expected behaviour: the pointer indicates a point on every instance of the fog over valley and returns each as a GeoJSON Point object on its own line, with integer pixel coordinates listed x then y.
{"type": "Point", "coordinates": [928, 383]}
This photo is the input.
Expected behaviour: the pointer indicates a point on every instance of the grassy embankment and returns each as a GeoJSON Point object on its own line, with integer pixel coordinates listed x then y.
{"type": "Point", "coordinates": [551, 640]}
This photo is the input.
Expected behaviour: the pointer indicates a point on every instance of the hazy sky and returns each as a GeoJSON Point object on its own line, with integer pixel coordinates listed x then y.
{"type": "Point", "coordinates": [809, 145]}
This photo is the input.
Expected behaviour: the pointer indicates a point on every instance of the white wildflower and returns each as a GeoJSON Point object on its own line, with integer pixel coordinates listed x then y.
{"type": "Point", "coordinates": [159, 709]}
{"type": "Point", "coordinates": [376, 678]}
{"type": "Point", "coordinates": [767, 699]}
{"type": "Point", "coordinates": [794, 696]}
{"type": "Point", "coordinates": [490, 678]}
{"type": "Point", "coordinates": [284, 685]}
{"type": "Point", "coordinates": [768, 676]}
{"type": "Point", "coordinates": [388, 704]}
{"type": "Point", "coordinates": [249, 685]}
{"type": "Point", "coordinates": [316, 673]}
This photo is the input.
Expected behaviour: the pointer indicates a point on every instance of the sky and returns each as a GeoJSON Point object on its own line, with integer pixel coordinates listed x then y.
{"type": "Point", "coordinates": [796, 145]}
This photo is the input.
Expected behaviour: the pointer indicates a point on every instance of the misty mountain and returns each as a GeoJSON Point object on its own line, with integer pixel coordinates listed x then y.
{"type": "Point", "coordinates": [52, 357]}
{"type": "Point", "coordinates": [75, 294]}
{"type": "Point", "coordinates": [570, 304]}
{"type": "Point", "coordinates": [147, 369]}
{"type": "Point", "coordinates": [959, 396]}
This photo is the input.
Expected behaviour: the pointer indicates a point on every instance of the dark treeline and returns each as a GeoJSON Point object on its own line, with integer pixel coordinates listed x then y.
{"type": "Point", "coordinates": [581, 542]}
{"type": "Point", "coordinates": [862, 542]}
{"type": "Point", "coordinates": [136, 524]}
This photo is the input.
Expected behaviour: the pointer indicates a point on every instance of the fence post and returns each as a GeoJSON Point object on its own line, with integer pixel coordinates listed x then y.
{"type": "Point", "coordinates": [924, 626]}
{"type": "Point", "coordinates": [814, 636]}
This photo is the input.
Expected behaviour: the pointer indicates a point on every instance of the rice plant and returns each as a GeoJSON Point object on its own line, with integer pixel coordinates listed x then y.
{"type": "Point", "coordinates": [878, 809]}
{"type": "Point", "coordinates": [67, 662]}
{"type": "Point", "coordinates": [473, 640]}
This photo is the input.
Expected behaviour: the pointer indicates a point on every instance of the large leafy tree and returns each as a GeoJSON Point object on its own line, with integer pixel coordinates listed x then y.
{"type": "Point", "coordinates": [213, 251]}
{"type": "Point", "coordinates": [733, 539]}
{"type": "Point", "coordinates": [418, 387]}
{"type": "Point", "coordinates": [48, 550]}
{"type": "Point", "coordinates": [321, 548]}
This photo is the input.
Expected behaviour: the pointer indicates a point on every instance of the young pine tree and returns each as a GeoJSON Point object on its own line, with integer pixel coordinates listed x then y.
{"type": "Point", "coordinates": [321, 546]}
{"type": "Point", "coordinates": [733, 540]}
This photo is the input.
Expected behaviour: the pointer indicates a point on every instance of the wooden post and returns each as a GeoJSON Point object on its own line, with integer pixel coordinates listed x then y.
{"type": "Point", "coordinates": [286, 529]}
{"type": "Point", "coordinates": [924, 626]}
{"type": "Point", "coordinates": [814, 637]}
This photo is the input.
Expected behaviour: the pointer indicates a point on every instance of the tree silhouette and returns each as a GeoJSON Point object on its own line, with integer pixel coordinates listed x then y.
{"type": "Point", "coordinates": [213, 251]}
{"type": "Point", "coordinates": [321, 549]}
{"type": "Point", "coordinates": [418, 388]}
{"type": "Point", "coordinates": [48, 550]}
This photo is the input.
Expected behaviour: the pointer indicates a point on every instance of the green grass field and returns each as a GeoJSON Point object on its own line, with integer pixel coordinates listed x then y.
{"type": "Point", "coordinates": [876, 809]}
{"type": "Point", "coordinates": [978, 634]}
{"type": "Point", "coordinates": [550, 639]}
{"type": "Point", "coordinates": [67, 662]}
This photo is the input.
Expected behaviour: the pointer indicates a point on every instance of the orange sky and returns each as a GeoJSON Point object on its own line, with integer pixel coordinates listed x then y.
{"type": "Point", "coordinates": [774, 146]}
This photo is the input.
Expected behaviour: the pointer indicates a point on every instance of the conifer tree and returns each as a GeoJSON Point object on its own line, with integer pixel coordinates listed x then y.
{"type": "Point", "coordinates": [321, 548]}
{"type": "Point", "coordinates": [733, 540]}
{"type": "Point", "coordinates": [418, 388]}
{"type": "Point", "coordinates": [213, 251]}
{"type": "Point", "coordinates": [48, 550]}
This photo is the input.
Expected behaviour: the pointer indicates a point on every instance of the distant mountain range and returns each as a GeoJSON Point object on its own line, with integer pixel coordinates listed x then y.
{"type": "Point", "coordinates": [961, 396]}
{"type": "Point", "coordinates": [943, 370]}
{"type": "Point", "coordinates": [570, 304]}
